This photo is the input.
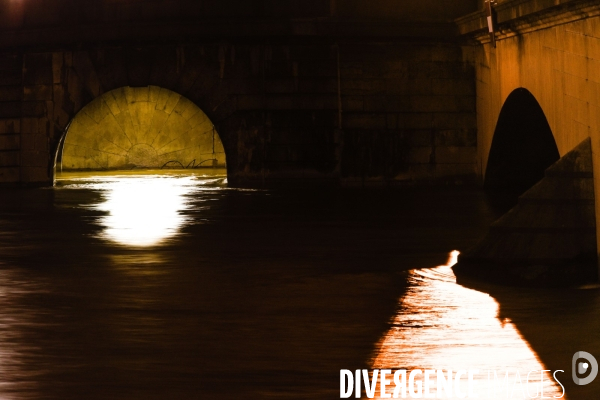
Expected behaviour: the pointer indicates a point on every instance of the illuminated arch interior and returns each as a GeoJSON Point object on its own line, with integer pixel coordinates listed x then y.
{"type": "Point", "coordinates": [145, 127]}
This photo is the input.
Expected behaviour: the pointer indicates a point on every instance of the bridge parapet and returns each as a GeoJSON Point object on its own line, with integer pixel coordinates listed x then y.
{"type": "Point", "coordinates": [517, 17]}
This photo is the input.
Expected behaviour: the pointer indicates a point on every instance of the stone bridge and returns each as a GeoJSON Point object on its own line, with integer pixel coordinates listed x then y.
{"type": "Point", "coordinates": [322, 91]}
{"type": "Point", "coordinates": [537, 100]}
{"type": "Point", "coordinates": [313, 91]}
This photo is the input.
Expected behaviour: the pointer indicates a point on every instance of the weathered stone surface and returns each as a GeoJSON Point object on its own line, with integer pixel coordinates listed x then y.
{"type": "Point", "coordinates": [10, 126]}
{"type": "Point", "coordinates": [36, 142]}
{"type": "Point", "coordinates": [552, 49]}
{"type": "Point", "coordinates": [10, 62]}
{"type": "Point", "coordinates": [549, 238]}
{"type": "Point", "coordinates": [9, 158]}
{"type": "Point", "coordinates": [11, 93]}
{"type": "Point", "coordinates": [9, 142]}
{"type": "Point", "coordinates": [9, 174]}
{"type": "Point", "coordinates": [10, 78]}
{"type": "Point", "coordinates": [34, 109]}
{"type": "Point", "coordinates": [37, 69]}
{"type": "Point", "coordinates": [140, 127]}
{"type": "Point", "coordinates": [34, 158]}
{"type": "Point", "coordinates": [279, 105]}
{"type": "Point", "coordinates": [10, 110]}
{"type": "Point", "coordinates": [37, 92]}
{"type": "Point", "coordinates": [34, 174]}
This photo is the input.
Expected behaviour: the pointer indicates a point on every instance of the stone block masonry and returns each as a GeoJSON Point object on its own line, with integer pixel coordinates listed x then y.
{"type": "Point", "coordinates": [409, 117]}
{"type": "Point", "coordinates": [552, 49]}
{"type": "Point", "coordinates": [408, 114]}
{"type": "Point", "coordinates": [11, 93]}
{"type": "Point", "coordinates": [330, 92]}
{"type": "Point", "coordinates": [549, 238]}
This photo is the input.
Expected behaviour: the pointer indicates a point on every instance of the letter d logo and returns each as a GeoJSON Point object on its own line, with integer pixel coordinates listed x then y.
{"type": "Point", "coordinates": [583, 367]}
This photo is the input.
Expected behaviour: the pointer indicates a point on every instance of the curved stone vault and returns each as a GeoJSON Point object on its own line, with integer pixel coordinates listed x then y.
{"type": "Point", "coordinates": [146, 127]}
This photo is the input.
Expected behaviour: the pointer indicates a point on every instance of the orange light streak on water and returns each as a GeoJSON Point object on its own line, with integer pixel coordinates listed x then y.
{"type": "Point", "coordinates": [441, 325]}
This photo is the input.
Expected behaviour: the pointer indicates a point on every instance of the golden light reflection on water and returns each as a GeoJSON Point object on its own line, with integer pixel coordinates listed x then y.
{"type": "Point", "coordinates": [15, 320]}
{"type": "Point", "coordinates": [441, 325]}
{"type": "Point", "coordinates": [143, 209]}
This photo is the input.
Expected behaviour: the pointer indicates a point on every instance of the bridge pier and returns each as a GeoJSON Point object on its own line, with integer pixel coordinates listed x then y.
{"type": "Point", "coordinates": [549, 237]}
{"type": "Point", "coordinates": [552, 51]}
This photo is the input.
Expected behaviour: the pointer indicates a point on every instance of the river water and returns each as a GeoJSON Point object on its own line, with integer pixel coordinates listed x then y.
{"type": "Point", "coordinates": [153, 286]}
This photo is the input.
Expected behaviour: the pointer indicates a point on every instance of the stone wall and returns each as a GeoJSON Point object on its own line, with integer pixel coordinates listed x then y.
{"type": "Point", "coordinates": [10, 117]}
{"type": "Point", "coordinates": [324, 92]}
{"type": "Point", "coordinates": [25, 126]}
{"type": "Point", "coordinates": [549, 237]}
{"type": "Point", "coordinates": [355, 112]}
{"type": "Point", "coordinates": [559, 64]}
{"type": "Point", "coordinates": [551, 49]}
{"type": "Point", "coordinates": [408, 113]}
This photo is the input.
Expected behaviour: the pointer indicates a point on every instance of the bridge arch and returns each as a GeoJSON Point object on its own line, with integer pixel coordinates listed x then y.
{"type": "Point", "coordinates": [523, 146]}
{"type": "Point", "coordinates": [148, 127]}
{"type": "Point", "coordinates": [78, 78]}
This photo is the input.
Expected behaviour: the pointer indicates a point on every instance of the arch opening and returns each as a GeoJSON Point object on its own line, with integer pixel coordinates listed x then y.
{"type": "Point", "coordinates": [140, 128]}
{"type": "Point", "coordinates": [522, 148]}
{"type": "Point", "coordinates": [147, 151]}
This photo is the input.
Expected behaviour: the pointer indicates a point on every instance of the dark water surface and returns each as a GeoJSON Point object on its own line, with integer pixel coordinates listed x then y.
{"type": "Point", "coordinates": [176, 287]}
